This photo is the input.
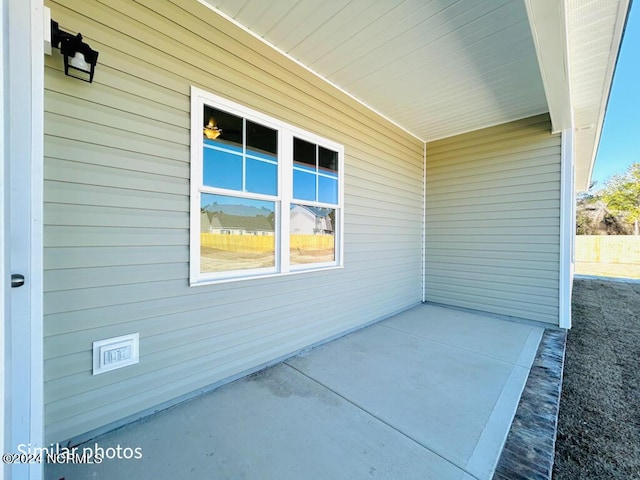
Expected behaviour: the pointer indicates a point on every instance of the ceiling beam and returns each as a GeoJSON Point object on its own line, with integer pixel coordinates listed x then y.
{"type": "Point", "coordinates": [549, 31]}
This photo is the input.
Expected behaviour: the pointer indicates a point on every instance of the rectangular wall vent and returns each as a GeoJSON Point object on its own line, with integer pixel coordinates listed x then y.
{"type": "Point", "coordinates": [115, 353]}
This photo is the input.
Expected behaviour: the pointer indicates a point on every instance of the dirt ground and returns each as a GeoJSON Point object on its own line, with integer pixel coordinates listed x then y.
{"type": "Point", "coordinates": [599, 420]}
{"type": "Point", "coordinates": [298, 256]}
{"type": "Point", "coordinates": [215, 260]}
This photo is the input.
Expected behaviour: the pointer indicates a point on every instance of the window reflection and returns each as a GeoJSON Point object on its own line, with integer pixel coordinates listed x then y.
{"type": "Point", "coordinates": [304, 152]}
{"type": "Point", "coordinates": [230, 126]}
{"type": "Point", "coordinates": [312, 234]}
{"type": "Point", "coordinates": [327, 190]}
{"type": "Point", "coordinates": [261, 141]}
{"type": "Point", "coordinates": [315, 172]}
{"type": "Point", "coordinates": [233, 162]}
{"type": "Point", "coordinates": [222, 168]}
{"type": "Point", "coordinates": [236, 233]}
{"type": "Point", "coordinates": [304, 185]}
{"type": "Point", "coordinates": [262, 177]}
{"type": "Point", "coordinates": [328, 160]}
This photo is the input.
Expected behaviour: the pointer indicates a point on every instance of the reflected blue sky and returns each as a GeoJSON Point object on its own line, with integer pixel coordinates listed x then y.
{"type": "Point", "coordinates": [225, 167]}
{"type": "Point", "coordinates": [208, 199]}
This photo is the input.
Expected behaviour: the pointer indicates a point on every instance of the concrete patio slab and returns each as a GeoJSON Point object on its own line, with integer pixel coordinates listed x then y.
{"type": "Point", "coordinates": [454, 396]}
{"type": "Point", "coordinates": [276, 424]}
{"type": "Point", "coordinates": [427, 394]}
{"type": "Point", "coordinates": [463, 329]}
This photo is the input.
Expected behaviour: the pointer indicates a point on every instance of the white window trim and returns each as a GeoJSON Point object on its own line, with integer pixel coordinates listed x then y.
{"type": "Point", "coordinates": [283, 199]}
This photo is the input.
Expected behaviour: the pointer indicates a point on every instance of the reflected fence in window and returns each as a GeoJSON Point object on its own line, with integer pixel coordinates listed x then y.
{"type": "Point", "coordinates": [234, 242]}
{"type": "Point", "coordinates": [312, 249]}
{"type": "Point", "coordinates": [221, 251]}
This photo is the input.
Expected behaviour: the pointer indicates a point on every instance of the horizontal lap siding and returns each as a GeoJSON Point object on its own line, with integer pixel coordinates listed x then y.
{"type": "Point", "coordinates": [117, 213]}
{"type": "Point", "coordinates": [493, 216]}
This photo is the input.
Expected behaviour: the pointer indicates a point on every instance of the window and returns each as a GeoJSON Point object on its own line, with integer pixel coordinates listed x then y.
{"type": "Point", "coordinates": [266, 197]}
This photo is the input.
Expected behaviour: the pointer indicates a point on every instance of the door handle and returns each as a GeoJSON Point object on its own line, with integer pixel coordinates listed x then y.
{"type": "Point", "coordinates": [17, 280]}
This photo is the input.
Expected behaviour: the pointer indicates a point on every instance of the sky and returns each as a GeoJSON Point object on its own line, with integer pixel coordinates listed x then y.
{"type": "Point", "coordinates": [620, 140]}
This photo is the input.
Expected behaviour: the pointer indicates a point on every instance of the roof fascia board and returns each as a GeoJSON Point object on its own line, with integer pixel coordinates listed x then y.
{"type": "Point", "coordinates": [548, 28]}
{"type": "Point", "coordinates": [621, 25]}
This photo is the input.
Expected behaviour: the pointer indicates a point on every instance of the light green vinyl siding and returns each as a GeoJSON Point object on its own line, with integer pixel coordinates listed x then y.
{"type": "Point", "coordinates": [493, 220]}
{"type": "Point", "coordinates": [117, 213]}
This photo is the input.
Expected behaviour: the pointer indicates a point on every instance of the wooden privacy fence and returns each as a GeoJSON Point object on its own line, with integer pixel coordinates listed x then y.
{"type": "Point", "coordinates": [311, 242]}
{"type": "Point", "coordinates": [263, 243]}
{"type": "Point", "coordinates": [608, 248]}
{"type": "Point", "coordinates": [238, 243]}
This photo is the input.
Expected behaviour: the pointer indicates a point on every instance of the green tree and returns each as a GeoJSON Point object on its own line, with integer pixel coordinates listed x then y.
{"type": "Point", "coordinates": [622, 196]}
{"type": "Point", "coordinates": [587, 210]}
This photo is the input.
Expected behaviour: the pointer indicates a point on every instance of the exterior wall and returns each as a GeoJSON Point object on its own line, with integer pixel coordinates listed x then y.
{"type": "Point", "coordinates": [493, 220]}
{"type": "Point", "coordinates": [117, 213]}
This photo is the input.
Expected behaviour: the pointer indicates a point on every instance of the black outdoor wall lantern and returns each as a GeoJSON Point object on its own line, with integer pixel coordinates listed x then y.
{"type": "Point", "coordinates": [79, 59]}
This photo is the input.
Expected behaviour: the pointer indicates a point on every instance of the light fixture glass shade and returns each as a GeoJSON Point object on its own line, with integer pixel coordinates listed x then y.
{"type": "Point", "coordinates": [78, 62]}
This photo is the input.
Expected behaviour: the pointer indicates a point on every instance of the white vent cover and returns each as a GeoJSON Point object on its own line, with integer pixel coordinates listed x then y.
{"type": "Point", "coordinates": [115, 353]}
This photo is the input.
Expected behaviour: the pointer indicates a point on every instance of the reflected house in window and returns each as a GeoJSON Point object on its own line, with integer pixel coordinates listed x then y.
{"type": "Point", "coordinates": [311, 220]}
{"type": "Point", "coordinates": [250, 223]}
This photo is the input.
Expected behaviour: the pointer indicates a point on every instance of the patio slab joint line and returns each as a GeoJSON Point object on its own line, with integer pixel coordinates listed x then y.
{"type": "Point", "coordinates": [471, 350]}
{"type": "Point", "coordinates": [462, 469]}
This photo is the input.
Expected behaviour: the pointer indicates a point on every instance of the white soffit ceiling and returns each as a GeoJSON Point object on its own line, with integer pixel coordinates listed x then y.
{"type": "Point", "coordinates": [595, 30]}
{"type": "Point", "coordinates": [437, 68]}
